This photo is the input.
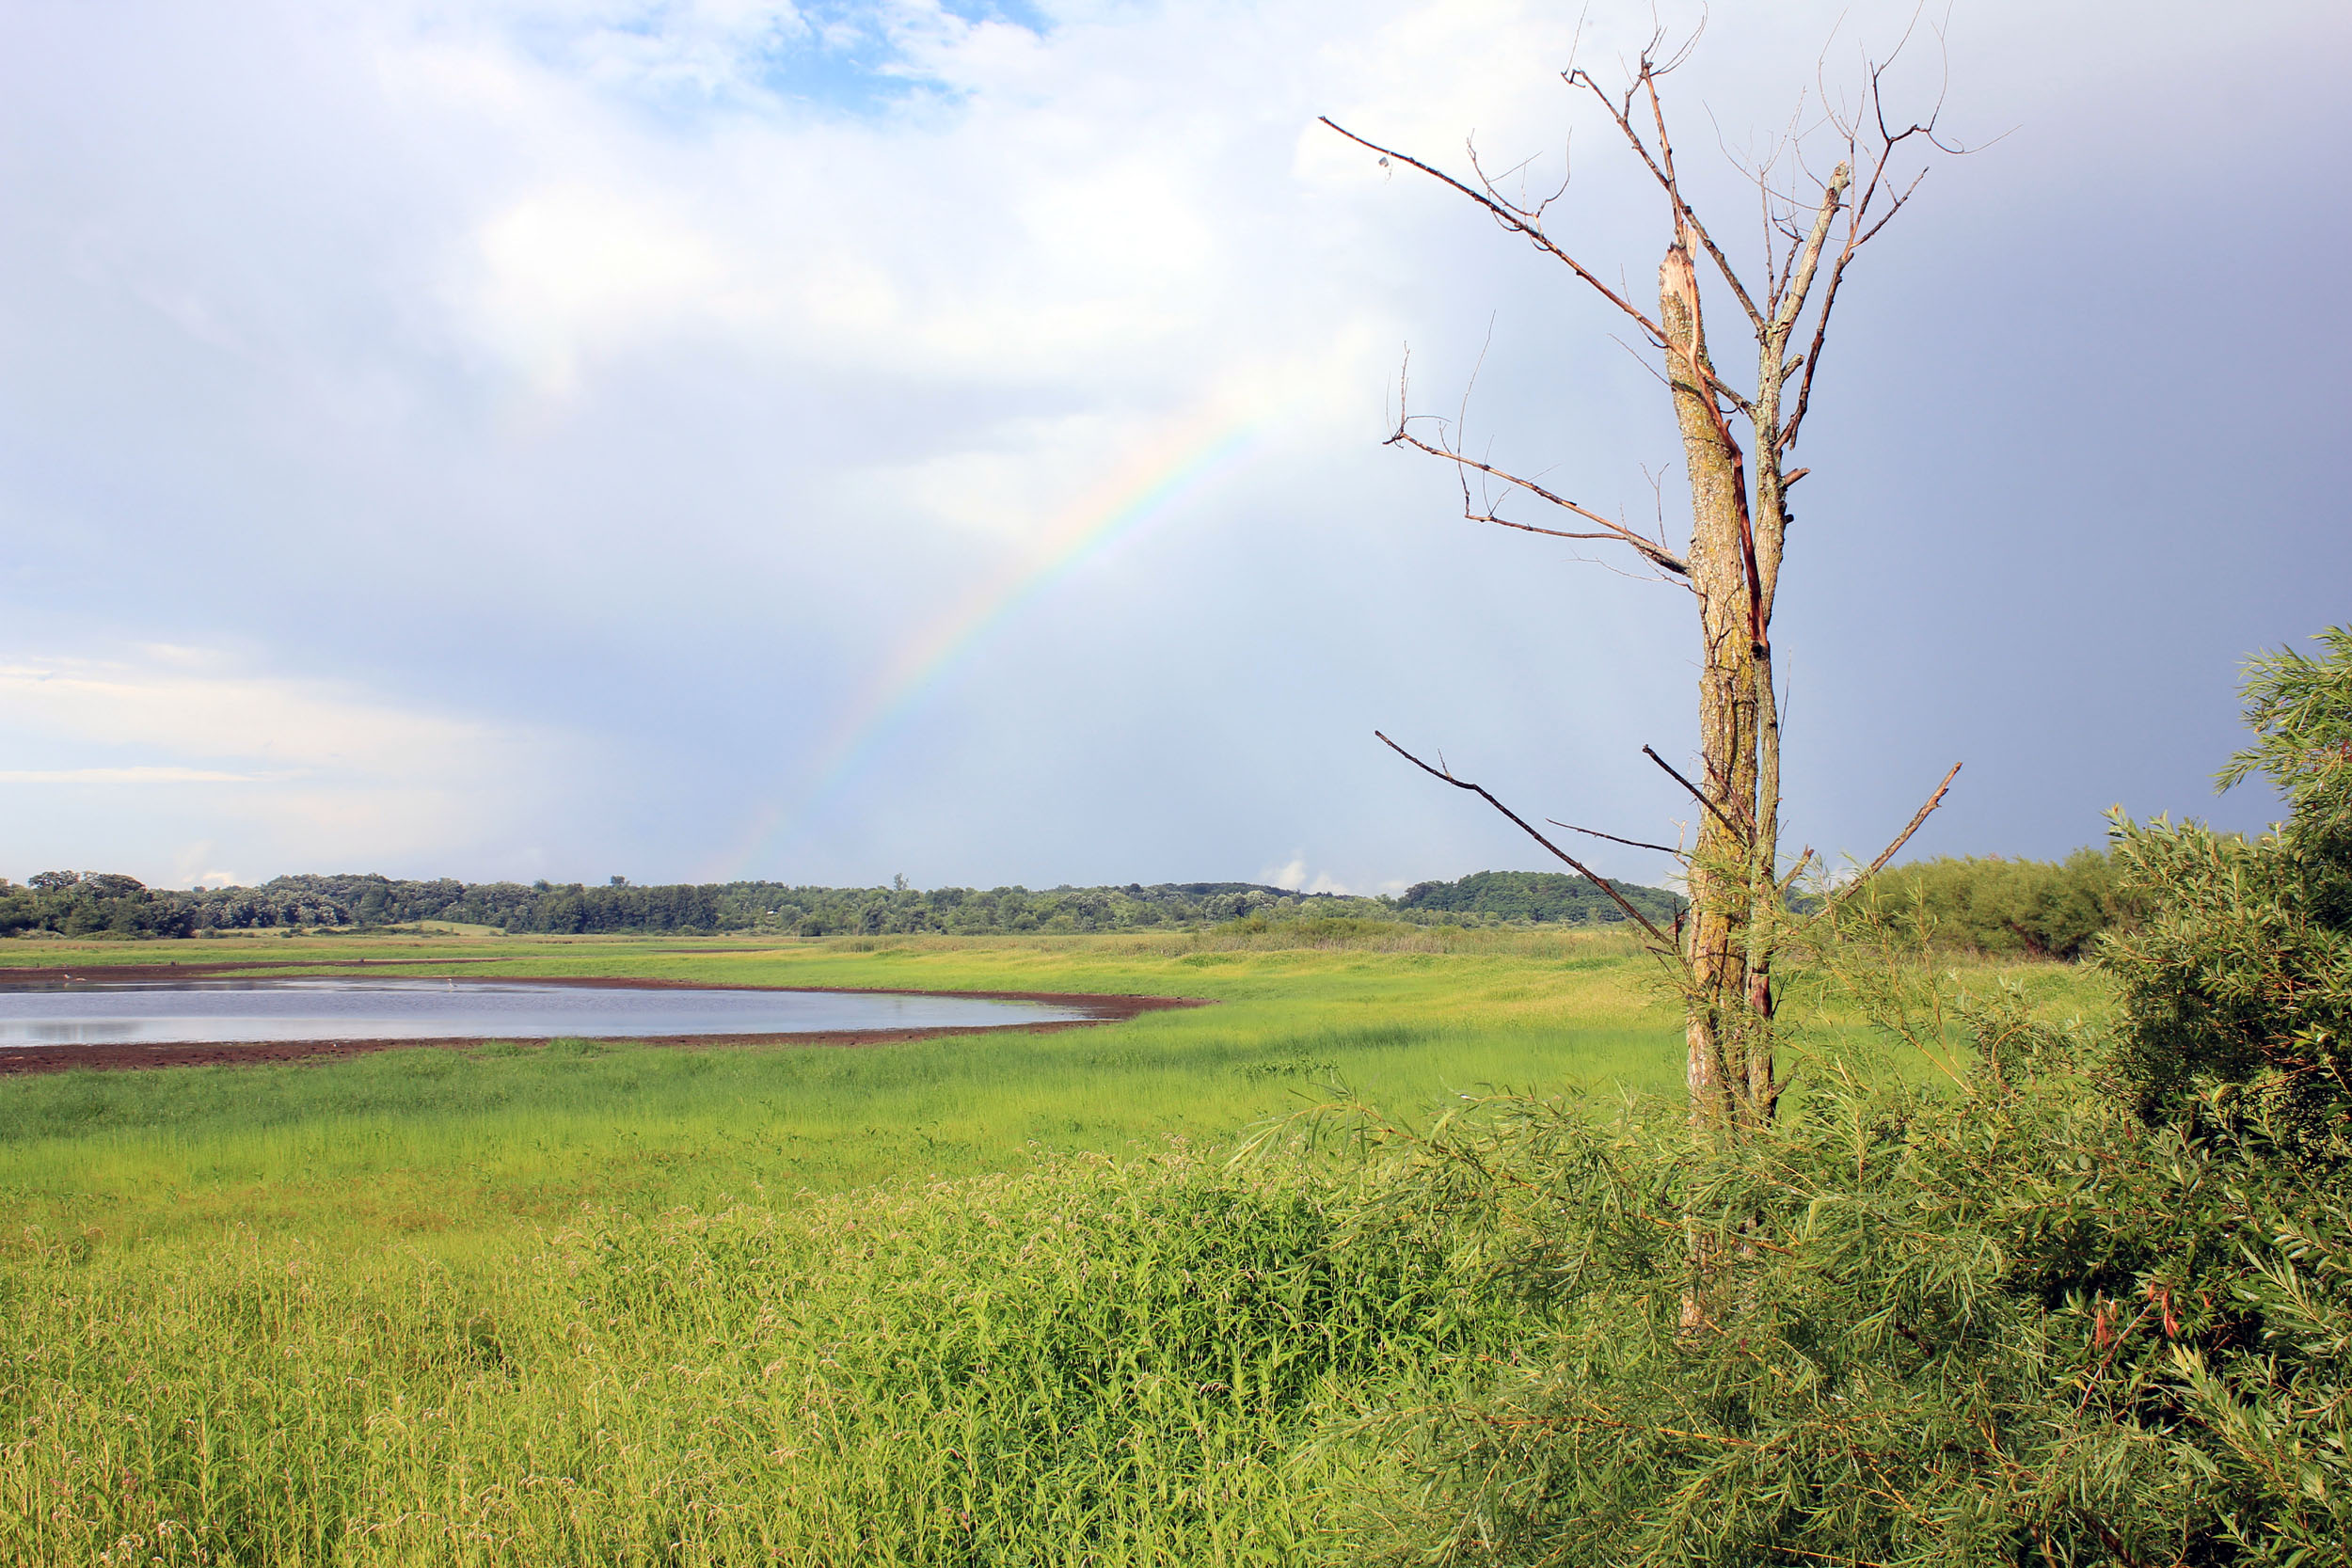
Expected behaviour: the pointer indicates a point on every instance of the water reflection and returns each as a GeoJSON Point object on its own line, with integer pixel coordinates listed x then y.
{"type": "Point", "coordinates": [341, 1008]}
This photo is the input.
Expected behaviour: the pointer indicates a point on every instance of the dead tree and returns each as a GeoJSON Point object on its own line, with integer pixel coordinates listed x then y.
{"type": "Point", "coordinates": [1736, 449]}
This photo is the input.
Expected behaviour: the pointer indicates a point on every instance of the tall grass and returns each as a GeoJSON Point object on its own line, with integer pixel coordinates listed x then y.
{"type": "Point", "coordinates": [1090, 1362]}
{"type": "Point", "coordinates": [970, 1301]}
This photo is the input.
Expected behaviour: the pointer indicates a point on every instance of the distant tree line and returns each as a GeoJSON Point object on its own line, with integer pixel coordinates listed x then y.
{"type": "Point", "coordinates": [69, 903]}
{"type": "Point", "coordinates": [1540, 897]}
{"type": "Point", "coordinates": [2035, 909]}
{"type": "Point", "coordinates": [780, 908]}
{"type": "Point", "coordinates": [90, 904]}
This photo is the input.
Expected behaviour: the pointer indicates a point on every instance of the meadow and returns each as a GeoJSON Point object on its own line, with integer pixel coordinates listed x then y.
{"type": "Point", "coordinates": [973, 1300]}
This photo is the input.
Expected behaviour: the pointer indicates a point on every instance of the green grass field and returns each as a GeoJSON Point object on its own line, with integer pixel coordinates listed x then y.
{"type": "Point", "coordinates": [978, 1300]}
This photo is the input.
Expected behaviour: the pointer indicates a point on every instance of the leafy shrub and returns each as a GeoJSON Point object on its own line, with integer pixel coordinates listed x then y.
{"type": "Point", "coordinates": [2238, 992]}
{"type": "Point", "coordinates": [2086, 1300]}
{"type": "Point", "coordinates": [1996, 1323]}
{"type": "Point", "coordinates": [2038, 908]}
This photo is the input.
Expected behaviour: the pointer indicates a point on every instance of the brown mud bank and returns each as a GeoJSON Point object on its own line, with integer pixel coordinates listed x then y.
{"type": "Point", "coordinates": [18, 1060]}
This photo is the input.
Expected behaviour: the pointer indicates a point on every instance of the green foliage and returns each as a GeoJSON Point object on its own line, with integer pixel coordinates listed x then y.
{"type": "Point", "coordinates": [2086, 1300]}
{"type": "Point", "coordinates": [68, 903]}
{"type": "Point", "coordinates": [465, 1144]}
{"type": "Point", "coordinates": [1085, 1363]}
{"type": "Point", "coordinates": [814, 911]}
{"type": "Point", "coordinates": [2037, 909]}
{"type": "Point", "coordinates": [74, 904]}
{"type": "Point", "coordinates": [2000, 1322]}
{"type": "Point", "coordinates": [2238, 992]}
{"type": "Point", "coordinates": [1538, 896]}
{"type": "Point", "coordinates": [2300, 711]}
{"type": "Point", "coordinates": [634, 1303]}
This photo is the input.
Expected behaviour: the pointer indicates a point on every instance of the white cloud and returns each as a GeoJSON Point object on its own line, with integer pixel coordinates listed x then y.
{"type": "Point", "coordinates": [124, 776]}
{"type": "Point", "coordinates": [1293, 873]}
{"type": "Point", "coordinates": [295, 770]}
{"type": "Point", "coordinates": [565, 266]}
{"type": "Point", "coordinates": [192, 867]}
{"type": "Point", "coordinates": [1103, 208]}
{"type": "Point", "coordinates": [172, 705]}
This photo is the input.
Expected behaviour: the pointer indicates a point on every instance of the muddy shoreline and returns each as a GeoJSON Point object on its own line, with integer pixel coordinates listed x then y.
{"type": "Point", "coordinates": [19, 1060]}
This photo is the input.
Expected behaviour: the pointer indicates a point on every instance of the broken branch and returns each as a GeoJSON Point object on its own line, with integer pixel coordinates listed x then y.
{"type": "Point", "coordinates": [1917, 817]}
{"type": "Point", "coordinates": [1657, 554]}
{"type": "Point", "coordinates": [1665, 176]}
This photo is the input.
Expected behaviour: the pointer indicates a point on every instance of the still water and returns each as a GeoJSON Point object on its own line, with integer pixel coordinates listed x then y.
{"type": "Point", "coordinates": [126, 1012]}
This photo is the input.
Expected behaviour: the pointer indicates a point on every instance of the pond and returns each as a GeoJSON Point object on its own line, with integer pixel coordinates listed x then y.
{"type": "Point", "coordinates": [336, 1008]}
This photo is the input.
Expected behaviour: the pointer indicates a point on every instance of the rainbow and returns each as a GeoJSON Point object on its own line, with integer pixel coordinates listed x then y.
{"type": "Point", "coordinates": [1142, 491]}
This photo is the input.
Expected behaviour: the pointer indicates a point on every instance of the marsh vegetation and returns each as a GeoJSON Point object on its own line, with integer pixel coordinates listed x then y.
{"type": "Point", "coordinates": [993, 1300]}
{"type": "Point", "coordinates": [1383, 1256]}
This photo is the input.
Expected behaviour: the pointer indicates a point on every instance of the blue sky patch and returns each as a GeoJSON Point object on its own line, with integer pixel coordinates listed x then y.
{"type": "Point", "coordinates": [849, 58]}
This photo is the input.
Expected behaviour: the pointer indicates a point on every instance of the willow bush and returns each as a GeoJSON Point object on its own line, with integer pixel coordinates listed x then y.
{"type": "Point", "coordinates": [1997, 905]}
{"type": "Point", "coordinates": [2073, 1298]}
{"type": "Point", "coordinates": [1994, 1321]}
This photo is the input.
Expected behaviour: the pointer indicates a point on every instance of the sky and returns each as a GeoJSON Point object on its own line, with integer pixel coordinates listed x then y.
{"type": "Point", "coordinates": [726, 438]}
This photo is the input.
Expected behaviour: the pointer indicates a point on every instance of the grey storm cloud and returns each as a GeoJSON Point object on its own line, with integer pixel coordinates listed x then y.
{"type": "Point", "coordinates": [516, 440]}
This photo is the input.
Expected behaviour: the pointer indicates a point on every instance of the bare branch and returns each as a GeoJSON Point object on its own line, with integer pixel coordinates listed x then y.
{"type": "Point", "coordinates": [1917, 818]}
{"type": "Point", "coordinates": [1813, 354]}
{"type": "Point", "coordinates": [1596, 832]}
{"type": "Point", "coordinates": [1861, 227]}
{"type": "Point", "coordinates": [1646, 78]}
{"type": "Point", "coordinates": [1696, 794]}
{"type": "Point", "coordinates": [1577, 865]}
{"type": "Point", "coordinates": [1656, 554]}
{"type": "Point", "coordinates": [1510, 217]}
{"type": "Point", "coordinates": [1534, 213]}
{"type": "Point", "coordinates": [1830, 904]}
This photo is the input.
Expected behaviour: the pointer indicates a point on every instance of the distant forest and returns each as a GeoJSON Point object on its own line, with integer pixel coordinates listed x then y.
{"type": "Point", "coordinates": [68, 903]}
{"type": "Point", "coordinates": [1538, 898]}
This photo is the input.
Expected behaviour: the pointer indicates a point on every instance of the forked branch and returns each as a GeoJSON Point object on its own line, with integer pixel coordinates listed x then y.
{"type": "Point", "coordinates": [1529, 221]}
{"type": "Point", "coordinates": [1863, 219]}
{"type": "Point", "coordinates": [1660, 165]}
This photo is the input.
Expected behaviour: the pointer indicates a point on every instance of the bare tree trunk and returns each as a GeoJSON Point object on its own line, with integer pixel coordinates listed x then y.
{"type": "Point", "coordinates": [1722, 956]}
{"type": "Point", "coordinates": [1717, 876]}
